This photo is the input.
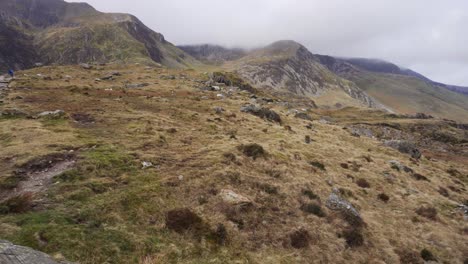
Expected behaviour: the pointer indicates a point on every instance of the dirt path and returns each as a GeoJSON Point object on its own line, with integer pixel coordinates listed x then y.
{"type": "Point", "coordinates": [37, 181]}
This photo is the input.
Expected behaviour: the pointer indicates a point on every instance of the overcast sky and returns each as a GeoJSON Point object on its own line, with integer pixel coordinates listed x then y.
{"type": "Point", "coordinates": [429, 36]}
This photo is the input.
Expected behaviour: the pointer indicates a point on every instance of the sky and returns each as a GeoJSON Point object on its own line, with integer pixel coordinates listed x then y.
{"type": "Point", "coordinates": [428, 36]}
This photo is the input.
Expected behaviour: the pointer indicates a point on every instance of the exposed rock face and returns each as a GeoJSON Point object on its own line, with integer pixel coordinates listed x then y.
{"type": "Point", "coordinates": [289, 66]}
{"type": "Point", "coordinates": [13, 254]}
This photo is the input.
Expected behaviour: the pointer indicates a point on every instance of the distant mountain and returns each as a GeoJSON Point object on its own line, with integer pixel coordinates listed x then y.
{"type": "Point", "coordinates": [213, 53]}
{"type": "Point", "coordinates": [57, 32]}
{"type": "Point", "coordinates": [289, 66]}
{"type": "Point", "coordinates": [381, 66]}
{"type": "Point", "coordinates": [402, 90]}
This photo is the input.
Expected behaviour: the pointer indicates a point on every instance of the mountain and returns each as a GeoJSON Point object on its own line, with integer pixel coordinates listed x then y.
{"type": "Point", "coordinates": [57, 32]}
{"type": "Point", "coordinates": [214, 54]}
{"type": "Point", "coordinates": [381, 66]}
{"type": "Point", "coordinates": [287, 66]}
{"type": "Point", "coordinates": [401, 90]}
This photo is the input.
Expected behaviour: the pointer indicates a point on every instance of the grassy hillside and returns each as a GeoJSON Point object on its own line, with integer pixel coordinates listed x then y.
{"type": "Point", "coordinates": [407, 94]}
{"type": "Point", "coordinates": [147, 167]}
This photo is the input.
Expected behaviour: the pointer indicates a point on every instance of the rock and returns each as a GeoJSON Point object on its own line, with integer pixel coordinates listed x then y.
{"type": "Point", "coordinates": [464, 209]}
{"type": "Point", "coordinates": [325, 120]}
{"type": "Point", "coordinates": [13, 254]}
{"type": "Point", "coordinates": [404, 146]}
{"type": "Point", "coordinates": [360, 132]}
{"type": "Point", "coordinates": [389, 176]}
{"type": "Point", "coordinates": [336, 203]}
{"type": "Point", "coordinates": [399, 166]}
{"type": "Point", "coordinates": [146, 164]}
{"type": "Point", "coordinates": [56, 113]}
{"type": "Point", "coordinates": [264, 113]}
{"type": "Point", "coordinates": [220, 96]}
{"type": "Point", "coordinates": [86, 66]}
{"type": "Point", "coordinates": [304, 116]}
{"type": "Point", "coordinates": [219, 110]}
{"type": "Point", "coordinates": [233, 198]}
{"type": "Point", "coordinates": [38, 64]}
{"type": "Point", "coordinates": [107, 77]}
{"type": "Point", "coordinates": [137, 85]}
{"type": "Point", "coordinates": [216, 88]}
{"type": "Point", "coordinates": [115, 73]}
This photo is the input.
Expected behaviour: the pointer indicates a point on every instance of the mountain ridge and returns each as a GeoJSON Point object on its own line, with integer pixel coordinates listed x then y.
{"type": "Point", "coordinates": [71, 33]}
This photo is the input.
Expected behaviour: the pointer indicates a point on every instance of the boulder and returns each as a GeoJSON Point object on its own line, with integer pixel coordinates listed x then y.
{"type": "Point", "coordinates": [55, 114]}
{"type": "Point", "coordinates": [304, 116]}
{"type": "Point", "coordinates": [337, 203]}
{"type": "Point", "coordinates": [261, 112]}
{"type": "Point", "coordinates": [399, 166]}
{"type": "Point", "coordinates": [404, 146]}
{"type": "Point", "coordinates": [13, 254]}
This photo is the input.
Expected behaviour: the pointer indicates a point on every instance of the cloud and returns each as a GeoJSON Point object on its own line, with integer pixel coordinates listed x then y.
{"type": "Point", "coordinates": [428, 36]}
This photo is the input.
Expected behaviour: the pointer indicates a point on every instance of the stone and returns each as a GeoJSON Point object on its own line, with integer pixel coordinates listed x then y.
{"type": "Point", "coordinates": [107, 77]}
{"type": "Point", "coordinates": [56, 113]}
{"type": "Point", "coordinates": [404, 146]}
{"type": "Point", "coordinates": [303, 116]}
{"type": "Point", "coordinates": [219, 110]}
{"type": "Point", "coordinates": [264, 113]}
{"type": "Point", "coordinates": [86, 66]}
{"type": "Point", "coordinates": [13, 254]}
{"type": "Point", "coordinates": [399, 166]}
{"type": "Point", "coordinates": [137, 85]}
{"type": "Point", "coordinates": [337, 203]}
{"type": "Point", "coordinates": [230, 197]}
{"type": "Point", "coordinates": [360, 132]}
{"type": "Point", "coordinates": [146, 164]}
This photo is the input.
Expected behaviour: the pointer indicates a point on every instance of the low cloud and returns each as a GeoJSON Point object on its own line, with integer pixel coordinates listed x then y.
{"type": "Point", "coordinates": [428, 36]}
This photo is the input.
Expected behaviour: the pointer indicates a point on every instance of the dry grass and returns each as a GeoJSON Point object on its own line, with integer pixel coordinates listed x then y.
{"type": "Point", "coordinates": [110, 209]}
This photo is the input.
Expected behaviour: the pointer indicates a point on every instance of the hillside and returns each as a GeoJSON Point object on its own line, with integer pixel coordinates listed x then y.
{"type": "Point", "coordinates": [288, 67]}
{"type": "Point", "coordinates": [403, 91]}
{"type": "Point", "coordinates": [213, 54]}
{"type": "Point", "coordinates": [148, 166]}
{"type": "Point", "coordinates": [57, 32]}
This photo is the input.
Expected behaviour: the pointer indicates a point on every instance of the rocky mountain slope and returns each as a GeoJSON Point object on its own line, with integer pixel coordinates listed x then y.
{"type": "Point", "coordinates": [57, 32]}
{"type": "Point", "coordinates": [213, 54]}
{"type": "Point", "coordinates": [134, 164]}
{"type": "Point", "coordinates": [401, 90]}
{"type": "Point", "coordinates": [287, 66]}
